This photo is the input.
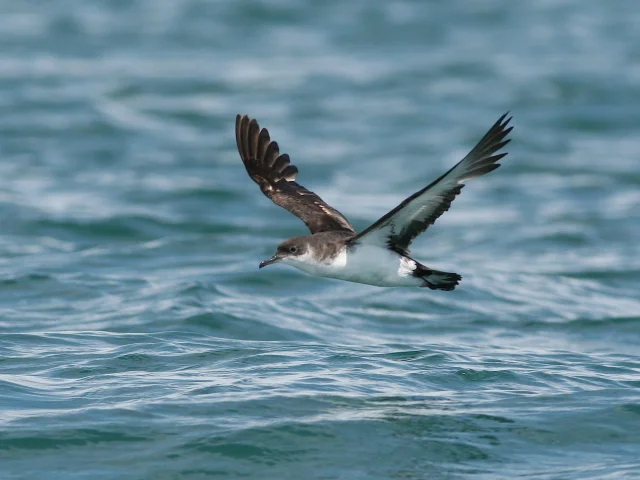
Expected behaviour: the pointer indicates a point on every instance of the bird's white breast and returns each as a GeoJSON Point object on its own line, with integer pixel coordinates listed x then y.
{"type": "Point", "coordinates": [362, 264]}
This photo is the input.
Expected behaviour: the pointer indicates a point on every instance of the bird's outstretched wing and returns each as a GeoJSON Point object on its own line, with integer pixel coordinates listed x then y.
{"type": "Point", "coordinates": [276, 177]}
{"type": "Point", "coordinates": [397, 229]}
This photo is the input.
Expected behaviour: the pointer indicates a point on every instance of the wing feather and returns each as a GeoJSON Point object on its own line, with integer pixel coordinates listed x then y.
{"type": "Point", "coordinates": [276, 176]}
{"type": "Point", "coordinates": [398, 228]}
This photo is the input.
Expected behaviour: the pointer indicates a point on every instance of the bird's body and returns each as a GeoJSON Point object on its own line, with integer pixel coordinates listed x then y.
{"type": "Point", "coordinates": [334, 255]}
{"type": "Point", "coordinates": [379, 254]}
{"type": "Point", "coordinates": [366, 264]}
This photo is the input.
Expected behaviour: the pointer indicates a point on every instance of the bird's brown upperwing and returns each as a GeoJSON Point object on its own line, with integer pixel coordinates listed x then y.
{"type": "Point", "coordinates": [276, 176]}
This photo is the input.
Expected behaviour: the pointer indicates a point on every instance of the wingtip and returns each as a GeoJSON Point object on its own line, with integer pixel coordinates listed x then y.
{"type": "Point", "coordinates": [239, 118]}
{"type": "Point", "coordinates": [504, 122]}
{"type": "Point", "coordinates": [506, 131]}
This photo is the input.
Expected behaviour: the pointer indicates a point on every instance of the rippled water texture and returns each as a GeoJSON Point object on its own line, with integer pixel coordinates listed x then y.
{"type": "Point", "coordinates": [138, 338]}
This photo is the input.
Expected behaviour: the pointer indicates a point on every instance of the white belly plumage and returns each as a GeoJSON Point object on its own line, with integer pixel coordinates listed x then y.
{"type": "Point", "coordinates": [363, 264]}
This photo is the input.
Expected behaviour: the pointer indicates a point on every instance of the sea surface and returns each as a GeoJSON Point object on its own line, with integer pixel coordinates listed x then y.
{"type": "Point", "coordinates": [139, 340]}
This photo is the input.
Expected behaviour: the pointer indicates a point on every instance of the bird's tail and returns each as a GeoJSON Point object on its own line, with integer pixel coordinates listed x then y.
{"type": "Point", "coordinates": [435, 279]}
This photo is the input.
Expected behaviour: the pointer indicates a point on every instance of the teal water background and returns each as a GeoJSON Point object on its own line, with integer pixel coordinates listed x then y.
{"type": "Point", "coordinates": [138, 340]}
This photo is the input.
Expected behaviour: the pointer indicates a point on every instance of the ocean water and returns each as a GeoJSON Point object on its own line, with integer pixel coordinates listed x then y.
{"type": "Point", "coordinates": [138, 340]}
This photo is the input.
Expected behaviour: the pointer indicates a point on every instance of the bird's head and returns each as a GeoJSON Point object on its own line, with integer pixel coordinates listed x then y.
{"type": "Point", "coordinates": [289, 251]}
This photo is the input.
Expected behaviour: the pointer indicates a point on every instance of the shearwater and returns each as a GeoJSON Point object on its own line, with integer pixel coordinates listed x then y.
{"type": "Point", "coordinates": [379, 255]}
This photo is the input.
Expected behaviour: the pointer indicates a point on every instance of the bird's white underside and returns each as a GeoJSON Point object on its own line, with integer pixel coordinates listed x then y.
{"type": "Point", "coordinates": [367, 264]}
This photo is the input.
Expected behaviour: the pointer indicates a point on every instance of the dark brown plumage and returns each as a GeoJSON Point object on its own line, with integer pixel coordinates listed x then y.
{"type": "Point", "coordinates": [276, 177]}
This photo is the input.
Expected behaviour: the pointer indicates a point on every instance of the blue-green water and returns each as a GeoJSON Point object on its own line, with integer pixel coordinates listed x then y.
{"type": "Point", "coordinates": [138, 338]}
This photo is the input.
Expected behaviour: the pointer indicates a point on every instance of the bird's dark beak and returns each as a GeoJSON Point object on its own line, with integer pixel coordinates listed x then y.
{"type": "Point", "coordinates": [276, 258]}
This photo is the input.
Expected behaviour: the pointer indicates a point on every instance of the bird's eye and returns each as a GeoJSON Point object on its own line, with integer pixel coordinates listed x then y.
{"type": "Point", "coordinates": [293, 249]}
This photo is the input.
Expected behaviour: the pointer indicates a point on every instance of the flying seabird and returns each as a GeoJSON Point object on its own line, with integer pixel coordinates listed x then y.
{"type": "Point", "coordinates": [379, 255]}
